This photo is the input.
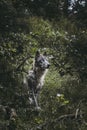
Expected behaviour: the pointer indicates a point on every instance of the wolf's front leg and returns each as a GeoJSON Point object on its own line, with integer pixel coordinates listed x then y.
{"type": "Point", "coordinates": [35, 97]}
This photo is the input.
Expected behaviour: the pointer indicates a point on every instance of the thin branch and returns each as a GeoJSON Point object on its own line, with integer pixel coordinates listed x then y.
{"type": "Point", "coordinates": [76, 114]}
{"type": "Point", "coordinates": [70, 116]}
{"type": "Point", "coordinates": [18, 67]}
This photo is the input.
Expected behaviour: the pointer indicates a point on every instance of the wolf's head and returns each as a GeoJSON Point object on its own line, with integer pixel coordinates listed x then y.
{"type": "Point", "coordinates": [41, 61]}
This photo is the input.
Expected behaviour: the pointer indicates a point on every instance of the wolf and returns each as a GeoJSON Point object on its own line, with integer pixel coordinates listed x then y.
{"type": "Point", "coordinates": [35, 77]}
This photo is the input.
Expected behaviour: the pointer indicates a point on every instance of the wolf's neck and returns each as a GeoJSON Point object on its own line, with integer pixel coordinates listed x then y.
{"type": "Point", "coordinates": [40, 75]}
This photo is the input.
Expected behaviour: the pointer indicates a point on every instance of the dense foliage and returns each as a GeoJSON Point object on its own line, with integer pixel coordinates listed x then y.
{"type": "Point", "coordinates": [58, 27]}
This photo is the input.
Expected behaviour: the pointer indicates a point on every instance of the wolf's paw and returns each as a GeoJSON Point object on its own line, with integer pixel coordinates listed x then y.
{"type": "Point", "coordinates": [38, 108]}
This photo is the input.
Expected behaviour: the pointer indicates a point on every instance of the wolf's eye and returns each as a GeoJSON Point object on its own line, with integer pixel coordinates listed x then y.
{"type": "Point", "coordinates": [41, 61]}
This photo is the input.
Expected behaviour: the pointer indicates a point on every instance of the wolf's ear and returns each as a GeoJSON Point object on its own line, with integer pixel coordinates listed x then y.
{"type": "Point", "coordinates": [45, 53]}
{"type": "Point", "coordinates": [37, 54]}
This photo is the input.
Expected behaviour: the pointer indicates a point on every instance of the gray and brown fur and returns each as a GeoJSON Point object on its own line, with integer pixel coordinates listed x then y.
{"type": "Point", "coordinates": [35, 77]}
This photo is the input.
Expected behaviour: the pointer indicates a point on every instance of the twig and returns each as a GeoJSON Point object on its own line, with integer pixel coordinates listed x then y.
{"type": "Point", "coordinates": [18, 67]}
{"type": "Point", "coordinates": [76, 114]}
